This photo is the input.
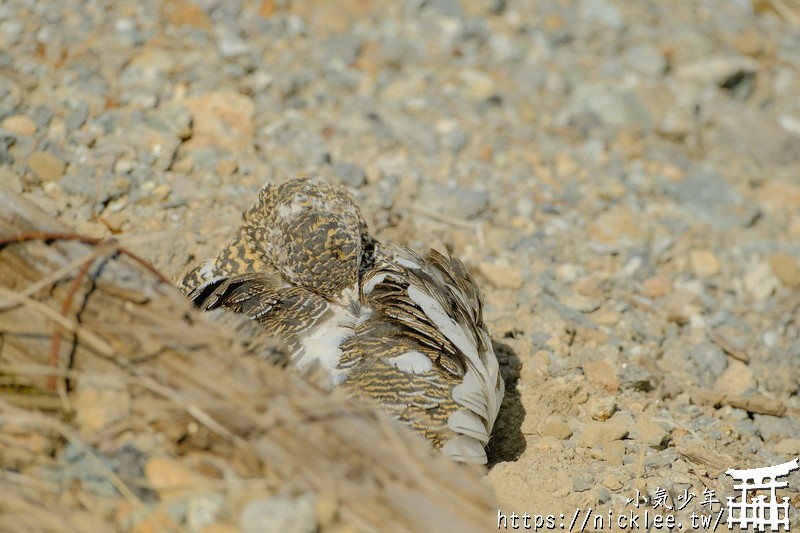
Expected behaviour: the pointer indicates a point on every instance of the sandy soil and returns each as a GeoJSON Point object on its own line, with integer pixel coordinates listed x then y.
{"type": "Point", "coordinates": [621, 177]}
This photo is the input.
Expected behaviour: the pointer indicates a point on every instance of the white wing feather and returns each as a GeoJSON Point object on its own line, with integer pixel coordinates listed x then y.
{"type": "Point", "coordinates": [480, 392]}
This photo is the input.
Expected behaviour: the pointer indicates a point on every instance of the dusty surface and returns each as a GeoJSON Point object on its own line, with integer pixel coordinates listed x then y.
{"type": "Point", "coordinates": [621, 177]}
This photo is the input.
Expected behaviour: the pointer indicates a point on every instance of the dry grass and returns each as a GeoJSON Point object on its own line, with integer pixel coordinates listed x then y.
{"type": "Point", "coordinates": [789, 10]}
{"type": "Point", "coordinates": [207, 396]}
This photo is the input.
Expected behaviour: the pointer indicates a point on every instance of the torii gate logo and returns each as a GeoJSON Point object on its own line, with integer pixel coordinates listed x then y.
{"type": "Point", "coordinates": [760, 512]}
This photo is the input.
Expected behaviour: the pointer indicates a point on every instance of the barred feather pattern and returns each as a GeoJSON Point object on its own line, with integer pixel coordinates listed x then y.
{"type": "Point", "coordinates": [392, 326]}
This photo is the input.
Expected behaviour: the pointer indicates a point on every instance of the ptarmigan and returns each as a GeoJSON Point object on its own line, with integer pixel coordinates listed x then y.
{"type": "Point", "coordinates": [402, 329]}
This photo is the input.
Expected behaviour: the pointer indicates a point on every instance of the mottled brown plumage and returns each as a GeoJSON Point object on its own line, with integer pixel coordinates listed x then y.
{"type": "Point", "coordinates": [390, 325]}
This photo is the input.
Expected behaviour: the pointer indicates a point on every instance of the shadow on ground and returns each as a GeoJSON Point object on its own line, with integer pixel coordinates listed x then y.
{"type": "Point", "coordinates": [507, 441]}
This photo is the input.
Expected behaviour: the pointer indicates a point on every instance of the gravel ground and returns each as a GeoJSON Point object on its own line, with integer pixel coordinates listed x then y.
{"type": "Point", "coordinates": [622, 178]}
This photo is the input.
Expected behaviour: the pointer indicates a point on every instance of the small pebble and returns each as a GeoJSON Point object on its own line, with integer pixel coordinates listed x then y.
{"type": "Point", "coordinates": [350, 174]}
{"type": "Point", "coordinates": [582, 484]}
{"type": "Point", "coordinates": [203, 511]}
{"type": "Point", "coordinates": [501, 275]}
{"type": "Point", "coordinates": [19, 125]}
{"type": "Point", "coordinates": [656, 287]}
{"type": "Point", "coordinates": [709, 362]}
{"type": "Point", "coordinates": [790, 446]}
{"type": "Point", "coordinates": [557, 429]}
{"type": "Point", "coordinates": [597, 432]}
{"type": "Point", "coordinates": [46, 166]}
{"type": "Point", "coordinates": [581, 303]}
{"type": "Point", "coordinates": [760, 281]}
{"type": "Point", "coordinates": [98, 406]}
{"type": "Point", "coordinates": [633, 376]}
{"type": "Point", "coordinates": [567, 273]}
{"type": "Point", "coordinates": [601, 408]}
{"type": "Point", "coordinates": [784, 266]}
{"type": "Point", "coordinates": [601, 373]}
{"type": "Point", "coordinates": [704, 263]}
{"type": "Point", "coordinates": [480, 86]}
{"type": "Point", "coordinates": [650, 433]}
{"type": "Point", "coordinates": [171, 478]}
{"type": "Point", "coordinates": [279, 514]}
{"type": "Point", "coordinates": [736, 380]}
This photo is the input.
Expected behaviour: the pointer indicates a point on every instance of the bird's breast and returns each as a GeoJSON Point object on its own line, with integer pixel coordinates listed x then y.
{"type": "Point", "coordinates": [322, 345]}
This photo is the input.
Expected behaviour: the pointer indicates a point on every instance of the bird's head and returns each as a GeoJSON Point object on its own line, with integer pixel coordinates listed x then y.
{"type": "Point", "coordinates": [312, 232]}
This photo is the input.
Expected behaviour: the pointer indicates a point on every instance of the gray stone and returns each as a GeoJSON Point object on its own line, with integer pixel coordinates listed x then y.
{"type": "Point", "coordinates": [89, 467]}
{"type": "Point", "coordinates": [229, 44]}
{"type": "Point", "coordinates": [753, 133]}
{"type": "Point", "coordinates": [77, 113]}
{"type": "Point", "coordinates": [10, 96]}
{"type": "Point", "coordinates": [458, 202]}
{"type": "Point", "coordinates": [705, 195]}
{"type": "Point", "coordinates": [789, 50]}
{"type": "Point", "coordinates": [708, 362]}
{"type": "Point", "coordinates": [645, 59]}
{"type": "Point", "coordinates": [454, 139]}
{"type": "Point", "coordinates": [202, 511]}
{"type": "Point", "coordinates": [745, 427]}
{"type": "Point", "coordinates": [703, 423]}
{"type": "Point", "coordinates": [776, 427]}
{"type": "Point", "coordinates": [720, 70]}
{"type": "Point", "coordinates": [661, 459]}
{"type": "Point", "coordinates": [310, 148]}
{"type": "Point", "coordinates": [601, 12]}
{"type": "Point", "coordinates": [443, 8]}
{"type": "Point", "coordinates": [633, 376]}
{"type": "Point", "coordinates": [42, 115]}
{"type": "Point", "coordinates": [582, 484]}
{"type": "Point", "coordinates": [612, 105]}
{"type": "Point", "coordinates": [130, 463]}
{"type": "Point", "coordinates": [350, 174]}
{"type": "Point", "coordinates": [10, 33]}
{"type": "Point", "coordinates": [7, 140]}
{"type": "Point", "coordinates": [174, 119]}
{"type": "Point", "coordinates": [387, 187]}
{"type": "Point", "coordinates": [124, 25]}
{"type": "Point", "coordinates": [153, 147]}
{"type": "Point", "coordinates": [412, 132]}
{"type": "Point", "coordinates": [81, 181]}
{"type": "Point", "coordinates": [144, 77]}
{"type": "Point", "coordinates": [279, 514]}
{"type": "Point", "coordinates": [343, 48]}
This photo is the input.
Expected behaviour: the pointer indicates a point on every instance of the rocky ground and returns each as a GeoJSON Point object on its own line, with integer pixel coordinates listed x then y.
{"type": "Point", "coordinates": [622, 178]}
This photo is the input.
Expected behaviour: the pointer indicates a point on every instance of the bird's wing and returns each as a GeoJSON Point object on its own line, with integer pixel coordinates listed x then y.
{"type": "Point", "coordinates": [429, 307]}
{"type": "Point", "coordinates": [284, 311]}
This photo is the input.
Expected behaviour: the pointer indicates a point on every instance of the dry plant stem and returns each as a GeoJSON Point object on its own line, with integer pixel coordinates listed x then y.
{"type": "Point", "coordinates": [56, 342]}
{"type": "Point", "coordinates": [59, 236]}
{"type": "Point", "coordinates": [102, 246]}
{"type": "Point", "coordinates": [198, 414]}
{"type": "Point", "coordinates": [727, 347]}
{"type": "Point", "coordinates": [786, 11]}
{"type": "Point", "coordinates": [45, 281]}
{"type": "Point", "coordinates": [452, 221]}
{"type": "Point", "coordinates": [91, 338]}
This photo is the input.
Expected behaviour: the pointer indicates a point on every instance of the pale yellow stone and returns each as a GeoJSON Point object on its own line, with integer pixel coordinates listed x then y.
{"type": "Point", "coordinates": [19, 125]}
{"type": "Point", "coordinates": [704, 263]}
{"type": "Point", "coordinates": [46, 166]}
{"type": "Point", "coordinates": [501, 275]}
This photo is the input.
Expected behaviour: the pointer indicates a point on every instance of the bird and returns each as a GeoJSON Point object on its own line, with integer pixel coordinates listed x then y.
{"type": "Point", "coordinates": [390, 325]}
